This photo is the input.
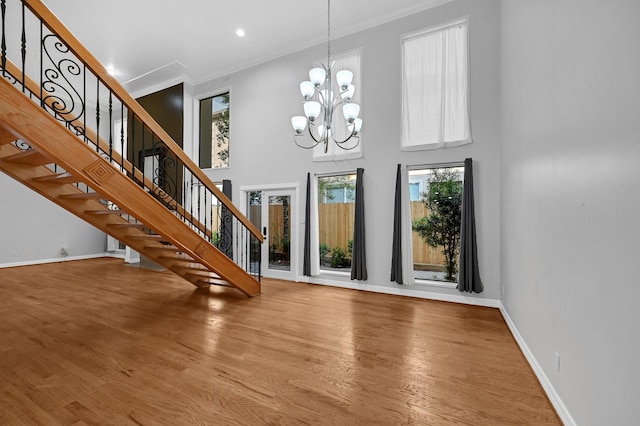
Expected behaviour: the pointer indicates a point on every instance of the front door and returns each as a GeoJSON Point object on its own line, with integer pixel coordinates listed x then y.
{"type": "Point", "coordinates": [272, 212]}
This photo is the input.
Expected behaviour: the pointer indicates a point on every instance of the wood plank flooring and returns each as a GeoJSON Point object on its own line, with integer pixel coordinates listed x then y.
{"type": "Point", "coordinates": [98, 342]}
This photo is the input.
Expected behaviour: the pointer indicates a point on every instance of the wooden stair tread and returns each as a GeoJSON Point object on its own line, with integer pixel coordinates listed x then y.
{"type": "Point", "coordinates": [167, 248]}
{"type": "Point", "coordinates": [201, 273]}
{"type": "Point", "coordinates": [126, 225]}
{"type": "Point", "coordinates": [147, 237]}
{"type": "Point", "coordinates": [212, 281]}
{"type": "Point", "coordinates": [82, 196]}
{"type": "Point", "coordinates": [60, 178]}
{"type": "Point", "coordinates": [105, 211]}
{"type": "Point", "coordinates": [181, 259]}
{"type": "Point", "coordinates": [31, 157]}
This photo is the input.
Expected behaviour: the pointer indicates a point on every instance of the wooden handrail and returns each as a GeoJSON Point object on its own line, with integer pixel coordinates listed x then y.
{"type": "Point", "coordinates": [57, 27]}
{"type": "Point", "coordinates": [35, 89]}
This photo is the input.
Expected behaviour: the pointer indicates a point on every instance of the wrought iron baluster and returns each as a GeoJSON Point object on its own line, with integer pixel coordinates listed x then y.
{"type": "Point", "coordinates": [84, 101]}
{"type": "Point", "coordinates": [122, 153]}
{"type": "Point", "coordinates": [3, 42]}
{"type": "Point", "coordinates": [110, 126]}
{"type": "Point", "coordinates": [23, 47]}
{"type": "Point", "coordinates": [141, 158]}
{"type": "Point", "coordinates": [97, 141]}
{"type": "Point", "coordinates": [42, 104]}
{"type": "Point", "coordinates": [191, 199]}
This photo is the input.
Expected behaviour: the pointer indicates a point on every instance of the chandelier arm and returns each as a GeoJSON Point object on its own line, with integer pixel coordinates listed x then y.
{"type": "Point", "coordinates": [339, 144]}
{"type": "Point", "coordinates": [352, 135]}
{"type": "Point", "coordinates": [295, 139]}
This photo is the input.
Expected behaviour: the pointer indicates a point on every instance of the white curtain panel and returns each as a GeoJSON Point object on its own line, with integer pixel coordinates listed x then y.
{"type": "Point", "coordinates": [435, 108]}
{"type": "Point", "coordinates": [408, 276]}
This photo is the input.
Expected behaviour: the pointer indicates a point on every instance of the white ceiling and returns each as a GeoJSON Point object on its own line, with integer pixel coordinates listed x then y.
{"type": "Point", "coordinates": [148, 41]}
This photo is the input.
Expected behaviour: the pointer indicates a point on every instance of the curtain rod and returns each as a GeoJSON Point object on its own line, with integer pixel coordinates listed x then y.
{"type": "Point", "coordinates": [436, 165]}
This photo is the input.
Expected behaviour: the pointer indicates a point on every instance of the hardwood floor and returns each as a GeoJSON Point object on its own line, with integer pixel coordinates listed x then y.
{"type": "Point", "coordinates": [98, 342]}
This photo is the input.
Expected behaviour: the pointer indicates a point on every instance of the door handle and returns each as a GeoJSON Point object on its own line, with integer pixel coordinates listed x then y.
{"type": "Point", "coordinates": [264, 231]}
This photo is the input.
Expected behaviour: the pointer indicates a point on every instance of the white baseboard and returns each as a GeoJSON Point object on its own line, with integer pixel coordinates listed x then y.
{"type": "Point", "coordinates": [405, 290]}
{"type": "Point", "coordinates": [553, 396]}
{"type": "Point", "coordinates": [54, 260]}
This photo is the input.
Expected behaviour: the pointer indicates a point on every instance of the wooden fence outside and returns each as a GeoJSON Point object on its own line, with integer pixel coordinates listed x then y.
{"type": "Point", "coordinates": [336, 229]}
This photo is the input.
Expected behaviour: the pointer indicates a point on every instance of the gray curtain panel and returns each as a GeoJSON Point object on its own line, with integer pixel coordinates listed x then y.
{"type": "Point", "coordinates": [359, 256]}
{"type": "Point", "coordinates": [225, 244]}
{"type": "Point", "coordinates": [396, 249]}
{"type": "Point", "coordinates": [469, 279]}
{"type": "Point", "coordinates": [306, 264]}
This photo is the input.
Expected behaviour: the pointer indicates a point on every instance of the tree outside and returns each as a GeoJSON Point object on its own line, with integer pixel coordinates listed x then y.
{"type": "Point", "coordinates": [221, 131]}
{"type": "Point", "coordinates": [441, 227]}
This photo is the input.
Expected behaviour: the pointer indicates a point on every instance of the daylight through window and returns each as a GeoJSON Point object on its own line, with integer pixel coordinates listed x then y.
{"type": "Point", "coordinates": [214, 132]}
{"type": "Point", "coordinates": [336, 212]}
{"type": "Point", "coordinates": [435, 109]}
{"type": "Point", "coordinates": [435, 196]}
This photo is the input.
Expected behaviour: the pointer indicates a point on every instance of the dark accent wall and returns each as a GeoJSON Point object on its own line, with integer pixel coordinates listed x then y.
{"type": "Point", "coordinates": [167, 108]}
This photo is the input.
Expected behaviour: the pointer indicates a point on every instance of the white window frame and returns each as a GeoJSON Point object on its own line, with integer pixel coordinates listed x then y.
{"type": "Point", "coordinates": [407, 230]}
{"type": "Point", "coordinates": [196, 123]}
{"type": "Point", "coordinates": [315, 229]}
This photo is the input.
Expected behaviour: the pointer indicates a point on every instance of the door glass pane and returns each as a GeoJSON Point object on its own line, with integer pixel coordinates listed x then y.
{"type": "Point", "coordinates": [279, 232]}
{"type": "Point", "coordinates": [254, 208]}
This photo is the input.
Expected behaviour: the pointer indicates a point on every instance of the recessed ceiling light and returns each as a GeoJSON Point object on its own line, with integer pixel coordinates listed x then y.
{"type": "Point", "coordinates": [240, 32]}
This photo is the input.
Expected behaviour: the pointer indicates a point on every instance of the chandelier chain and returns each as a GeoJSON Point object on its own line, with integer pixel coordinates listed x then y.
{"type": "Point", "coordinates": [328, 33]}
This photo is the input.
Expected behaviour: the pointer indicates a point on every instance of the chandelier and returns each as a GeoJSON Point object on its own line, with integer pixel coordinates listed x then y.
{"type": "Point", "coordinates": [320, 104]}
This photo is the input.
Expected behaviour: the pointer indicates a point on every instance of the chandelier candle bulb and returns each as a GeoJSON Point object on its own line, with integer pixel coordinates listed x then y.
{"type": "Point", "coordinates": [312, 110]}
{"type": "Point", "coordinates": [299, 123]}
{"type": "Point", "coordinates": [350, 112]}
{"type": "Point", "coordinates": [344, 79]}
{"type": "Point", "coordinates": [307, 89]}
{"type": "Point", "coordinates": [317, 76]}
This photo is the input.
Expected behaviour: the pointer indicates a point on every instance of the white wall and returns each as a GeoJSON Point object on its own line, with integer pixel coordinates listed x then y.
{"type": "Point", "coordinates": [570, 90]}
{"type": "Point", "coordinates": [34, 229]}
{"type": "Point", "coordinates": [263, 99]}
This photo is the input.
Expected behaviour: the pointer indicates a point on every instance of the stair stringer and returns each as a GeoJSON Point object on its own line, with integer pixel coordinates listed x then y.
{"type": "Point", "coordinates": [25, 120]}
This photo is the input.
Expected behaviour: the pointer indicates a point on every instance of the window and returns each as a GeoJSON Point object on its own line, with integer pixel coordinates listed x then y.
{"type": "Point", "coordinates": [435, 107]}
{"type": "Point", "coordinates": [336, 212]}
{"type": "Point", "coordinates": [346, 61]}
{"type": "Point", "coordinates": [435, 221]}
{"type": "Point", "coordinates": [214, 132]}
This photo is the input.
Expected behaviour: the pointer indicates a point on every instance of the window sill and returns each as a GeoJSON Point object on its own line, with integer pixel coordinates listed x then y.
{"type": "Point", "coordinates": [209, 169]}
{"type": "Point", "coordinates": [437, 284]}
{"type": "Point", "coordinates": [325, 272]}
{"type": "Point", "coordinates": [436, 145]}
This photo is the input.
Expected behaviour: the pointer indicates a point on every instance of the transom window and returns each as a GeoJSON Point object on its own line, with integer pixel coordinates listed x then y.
{"type": "Point", "coordinates": [435, 106]}
{"type": "Point", "coordinates": [214, 131]}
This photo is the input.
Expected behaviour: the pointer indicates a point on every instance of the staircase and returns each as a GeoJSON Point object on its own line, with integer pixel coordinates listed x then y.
{"type": "Point", "coordinates": [172, 214]}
